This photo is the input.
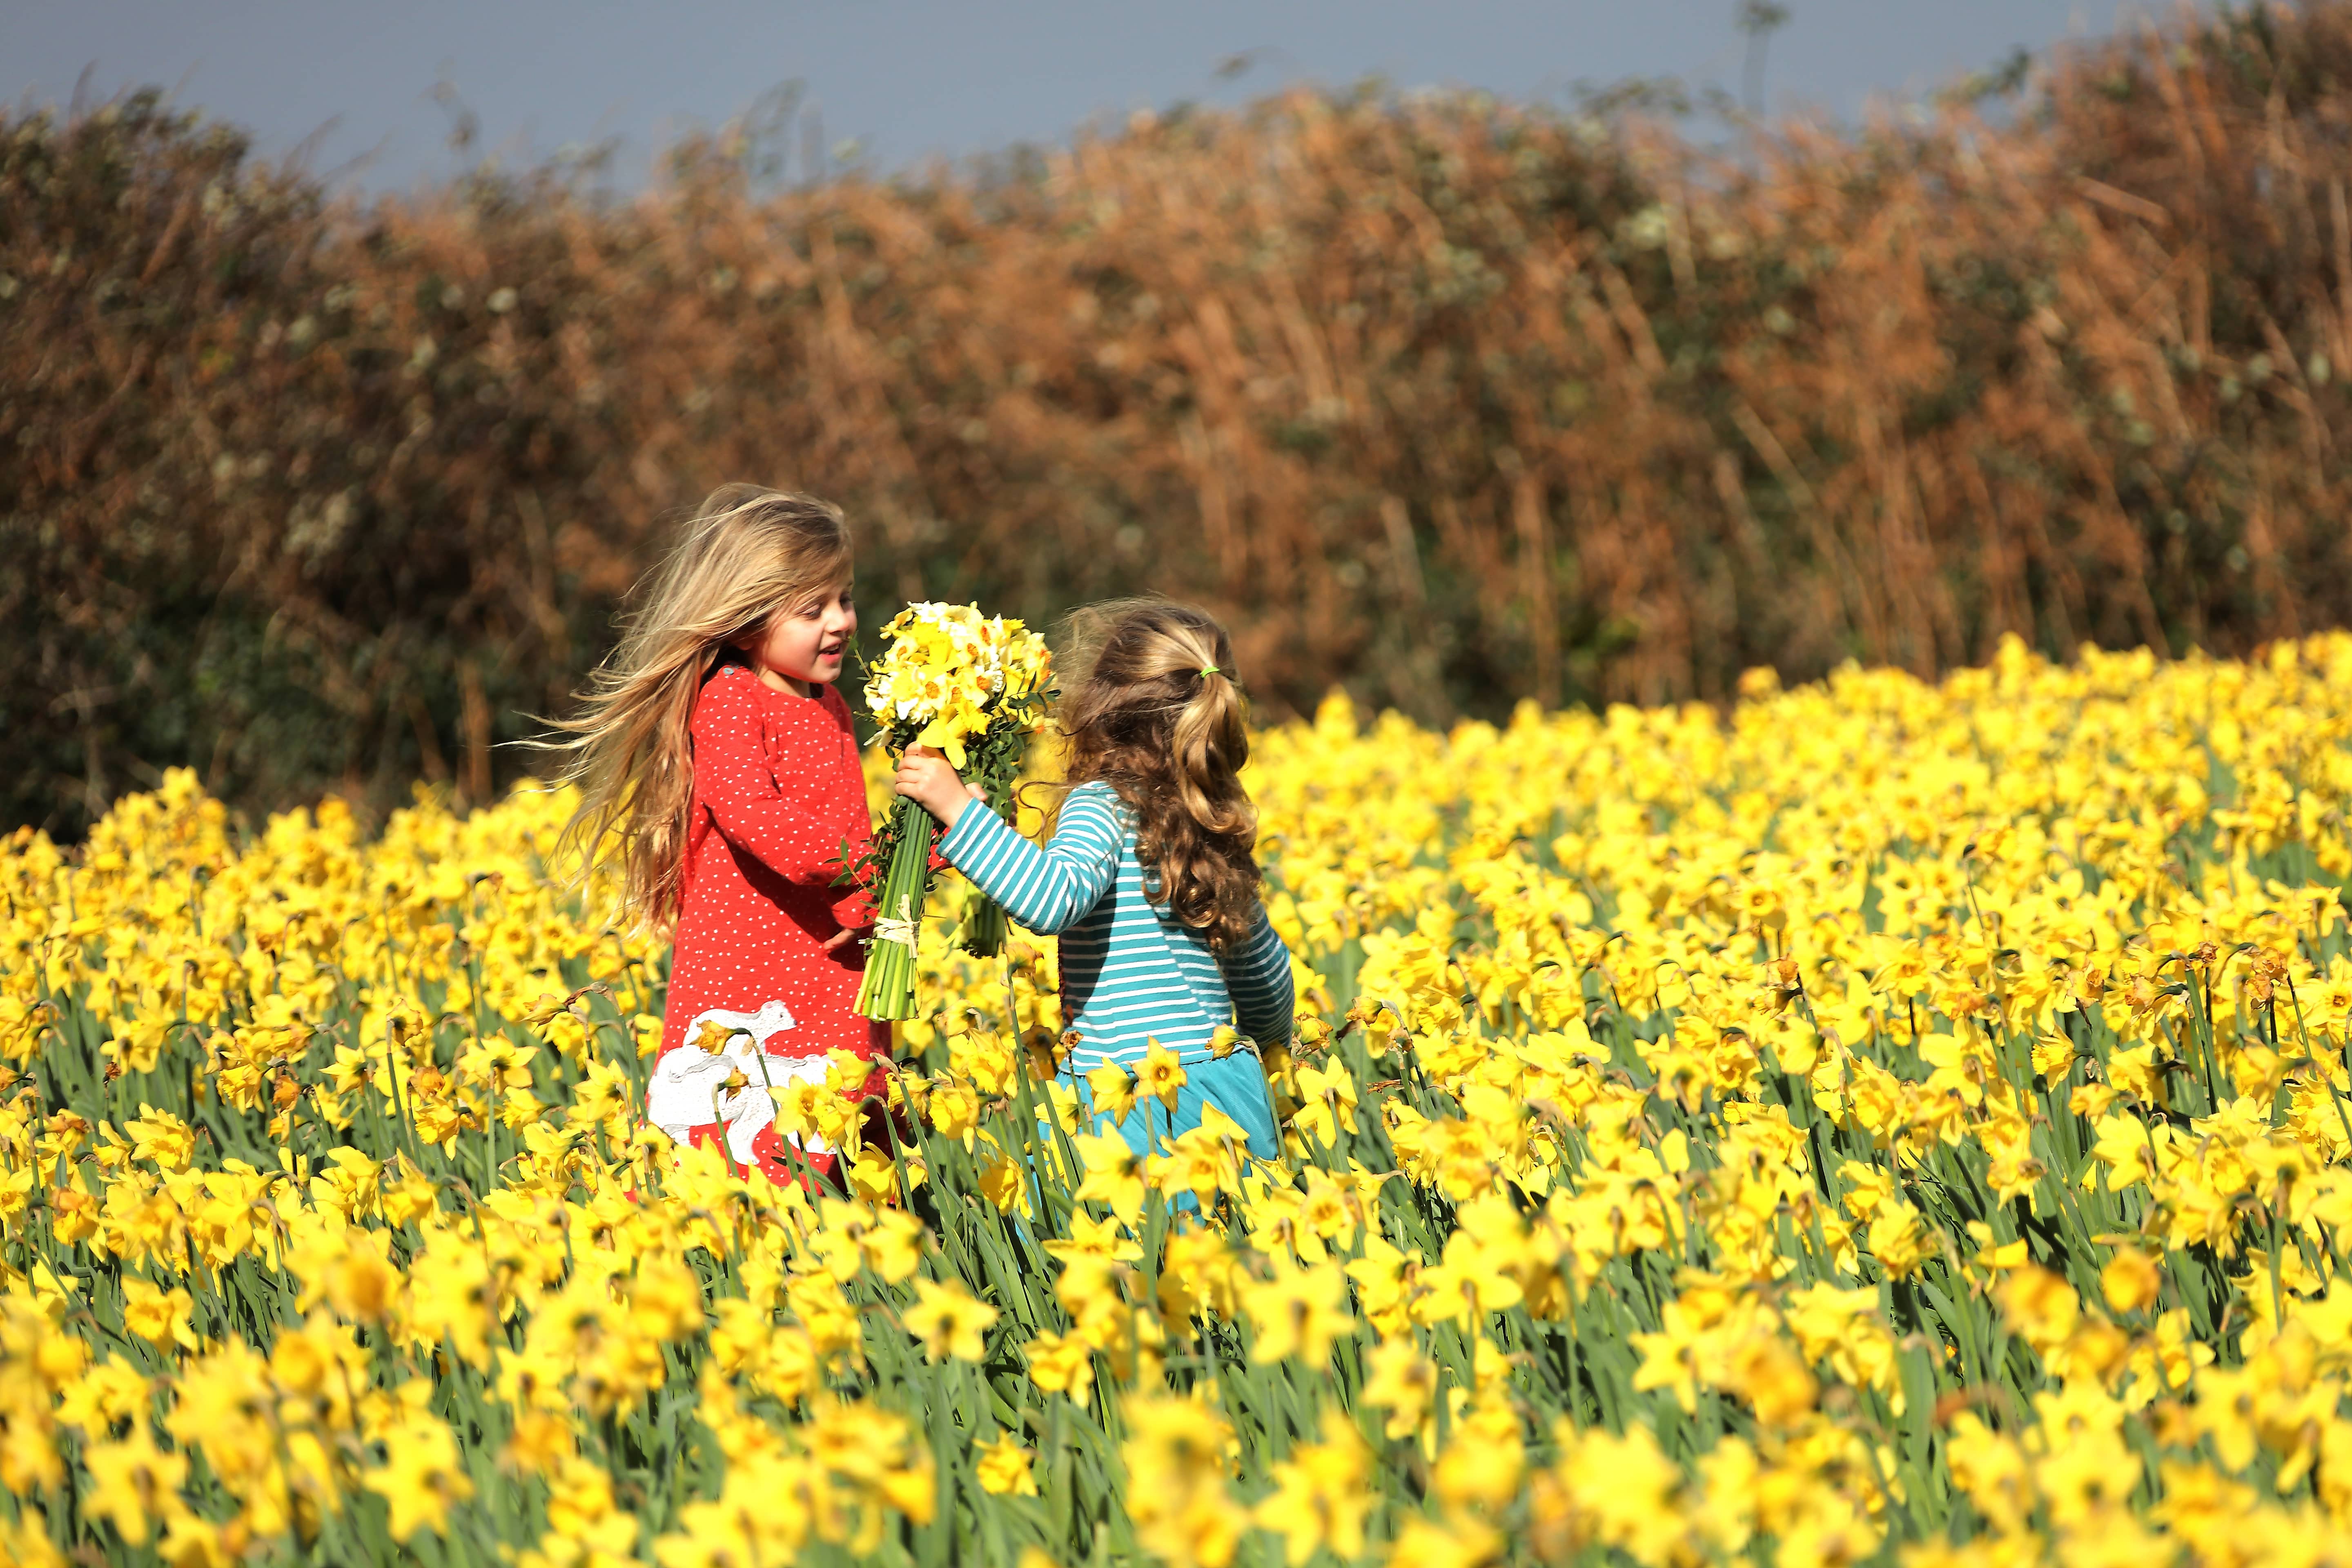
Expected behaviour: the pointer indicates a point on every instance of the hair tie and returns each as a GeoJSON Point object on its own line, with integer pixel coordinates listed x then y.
{"type": "Point", "coordinates": [1207, 670]}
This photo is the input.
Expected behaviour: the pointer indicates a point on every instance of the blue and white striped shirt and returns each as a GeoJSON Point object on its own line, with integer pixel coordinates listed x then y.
{"type": "Point", "coordinates": [1131, 972]}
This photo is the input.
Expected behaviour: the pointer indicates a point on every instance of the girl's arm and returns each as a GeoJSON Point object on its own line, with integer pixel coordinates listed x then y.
{"type": "Point", "coordinates": [753, 813]}
{"type": "Point", "coordinates": [1047, 889]}
{"type": "Point", "coordinates": [1257, 977]}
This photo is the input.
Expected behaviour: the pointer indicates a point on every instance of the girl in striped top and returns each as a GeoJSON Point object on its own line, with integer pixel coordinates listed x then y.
{"type": "Point", "coordinates": [1149, 880]}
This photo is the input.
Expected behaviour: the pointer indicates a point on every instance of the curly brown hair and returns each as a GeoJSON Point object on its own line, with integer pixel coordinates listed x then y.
{"type": "Point", "coordinates": [1159, 715]}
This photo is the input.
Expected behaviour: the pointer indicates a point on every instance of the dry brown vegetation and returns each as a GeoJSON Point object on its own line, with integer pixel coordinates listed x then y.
{"type": "Point", "coordinates": [1451, 402]}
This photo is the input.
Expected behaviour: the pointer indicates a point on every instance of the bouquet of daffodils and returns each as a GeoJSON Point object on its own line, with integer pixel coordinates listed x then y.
{"type": "Point", "coordinates": [975, 689]}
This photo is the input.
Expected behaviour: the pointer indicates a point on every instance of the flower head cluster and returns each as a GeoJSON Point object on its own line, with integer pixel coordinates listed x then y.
{"type": "Point", "coordinates": [949, 673]}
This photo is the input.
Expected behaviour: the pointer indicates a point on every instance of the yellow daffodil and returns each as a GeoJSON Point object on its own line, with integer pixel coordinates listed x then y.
{"type": "Point", "coordinates": [947, 1320]}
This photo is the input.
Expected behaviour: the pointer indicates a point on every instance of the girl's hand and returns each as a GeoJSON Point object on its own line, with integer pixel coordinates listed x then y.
{"type": "Point", "coordinates": [925, 778]}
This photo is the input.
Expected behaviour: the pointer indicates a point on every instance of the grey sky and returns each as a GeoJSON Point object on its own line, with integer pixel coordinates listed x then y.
{"type": "Point", "coordinates": [909, 79]}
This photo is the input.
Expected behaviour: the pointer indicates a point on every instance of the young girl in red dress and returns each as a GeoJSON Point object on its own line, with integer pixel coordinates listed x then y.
{"type": "Point", "coordinates": [719, 774]}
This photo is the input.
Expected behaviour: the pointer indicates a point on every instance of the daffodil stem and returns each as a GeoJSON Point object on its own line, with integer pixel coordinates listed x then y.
{"type": "Point", "coordinates": [887, 992]}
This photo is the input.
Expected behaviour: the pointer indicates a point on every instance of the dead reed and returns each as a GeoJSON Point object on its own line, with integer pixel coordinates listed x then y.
{"type": "Point", "coordinates": [1449, 401]}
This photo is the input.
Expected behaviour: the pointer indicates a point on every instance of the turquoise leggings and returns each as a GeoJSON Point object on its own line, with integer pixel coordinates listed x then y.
{"type": "Point", "coordinates": [1235, 1085]}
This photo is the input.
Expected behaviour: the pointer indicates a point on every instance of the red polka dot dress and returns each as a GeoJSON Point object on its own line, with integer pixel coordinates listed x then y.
{"type": "Point", "coordinates": [779, 806]}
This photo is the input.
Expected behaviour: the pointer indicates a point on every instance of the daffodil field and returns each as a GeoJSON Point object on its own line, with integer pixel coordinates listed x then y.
{"type": "Point", "coordinates": [1885, 1122]}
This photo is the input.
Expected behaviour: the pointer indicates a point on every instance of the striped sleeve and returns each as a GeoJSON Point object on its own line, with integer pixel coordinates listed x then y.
{"type": "Point", "coordinates": [1257, 976]}
{"type": "Point", "coordinates": [1050, 889]}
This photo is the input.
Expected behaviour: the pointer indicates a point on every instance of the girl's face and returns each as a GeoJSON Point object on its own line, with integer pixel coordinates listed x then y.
{"type": "Point", "coordinates": [801, 649]}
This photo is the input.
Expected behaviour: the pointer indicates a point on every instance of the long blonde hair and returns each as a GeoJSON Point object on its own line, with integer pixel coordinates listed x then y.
{"type": "Point", "coordinates": [747, 554]}
{"type": "Point", "coordinates": [1157, 713]}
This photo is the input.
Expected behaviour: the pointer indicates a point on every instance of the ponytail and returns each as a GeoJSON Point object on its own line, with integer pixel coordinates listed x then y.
{"type": "Point", "coordinates": [1209, 745]}
{"type": "Point", "coordinates": [1158, 716]}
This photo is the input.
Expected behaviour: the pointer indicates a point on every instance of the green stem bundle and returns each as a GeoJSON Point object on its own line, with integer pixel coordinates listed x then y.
{"type": "Point", "coordinates": [887, 992]}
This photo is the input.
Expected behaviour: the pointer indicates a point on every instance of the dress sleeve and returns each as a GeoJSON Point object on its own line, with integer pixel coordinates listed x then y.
{"type": "Point", "coordinates": [1046, 890]}
{"type": "Point", "coordinates": [753, 812]}
{"type": "Point", "coordinates": [1257, 977]}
